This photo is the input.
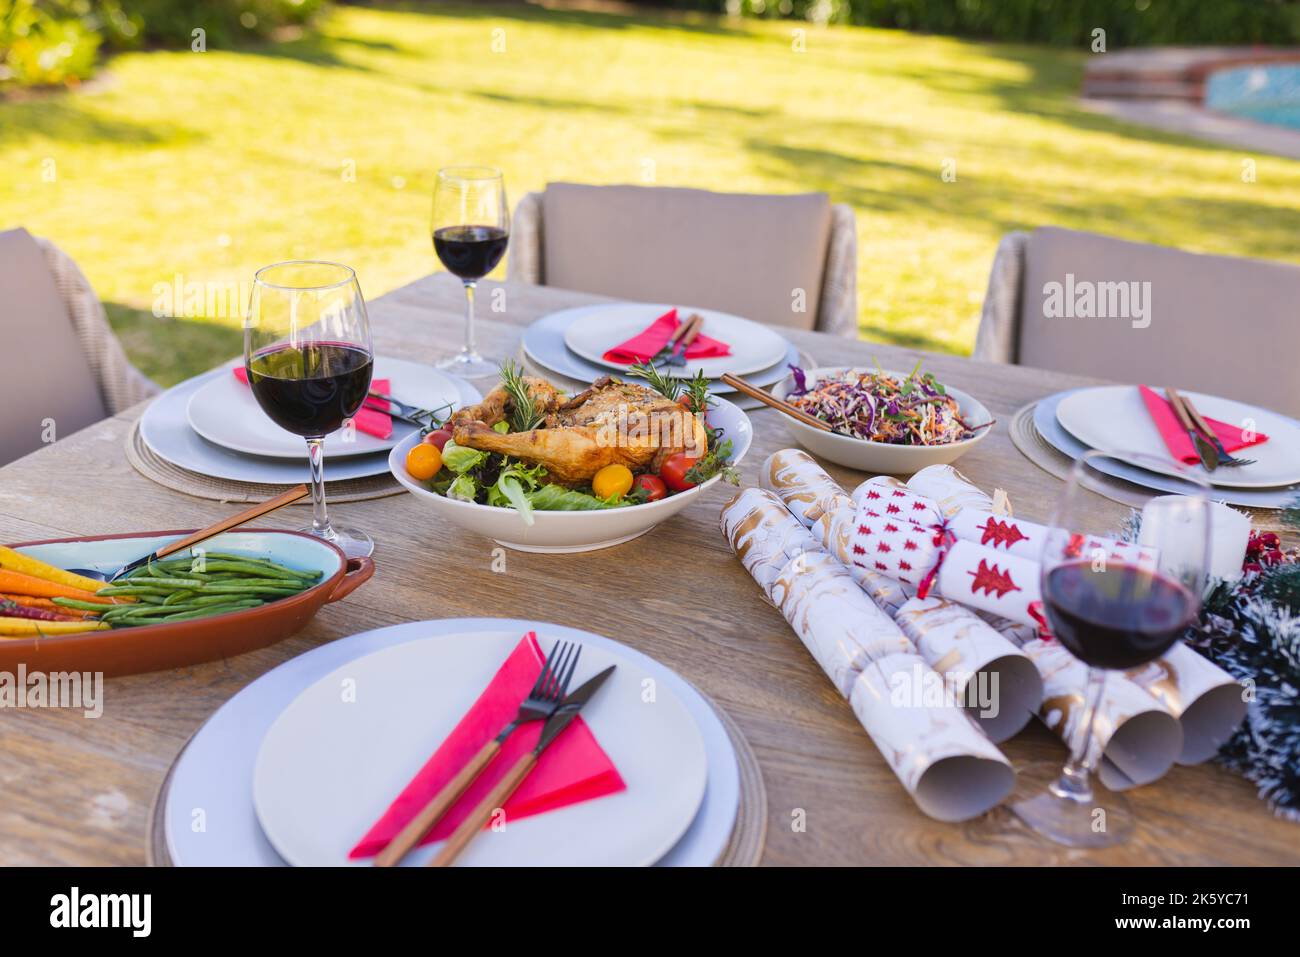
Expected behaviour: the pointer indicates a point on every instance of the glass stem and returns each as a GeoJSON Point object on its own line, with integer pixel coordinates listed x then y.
{"type": "Point", "coordinates": [470, 346]}
{"type": "Point", "coordinates": [320, 520]}
{"type": "Point", "coordinates": [1073, 782]}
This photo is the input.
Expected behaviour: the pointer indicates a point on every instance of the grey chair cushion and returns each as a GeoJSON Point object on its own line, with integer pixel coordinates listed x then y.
{"type": "Point", "coordinates": [738, 253]}
{"type": "Point", "coordinates": [47, 388]}
{"type": "Point", "coordinates": [1210, 323]}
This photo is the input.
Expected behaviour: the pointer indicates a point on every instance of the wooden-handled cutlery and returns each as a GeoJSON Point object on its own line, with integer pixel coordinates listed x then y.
{"type": "Point", "coordinates": [1176, 399]}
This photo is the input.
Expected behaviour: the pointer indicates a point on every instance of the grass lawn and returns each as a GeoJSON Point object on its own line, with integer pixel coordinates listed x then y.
{"type": "Point", "coordinates": [208, 165]}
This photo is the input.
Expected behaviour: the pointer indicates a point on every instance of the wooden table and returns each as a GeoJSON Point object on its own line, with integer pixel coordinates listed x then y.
{"type": "Point", "coordinates": [78, 791]}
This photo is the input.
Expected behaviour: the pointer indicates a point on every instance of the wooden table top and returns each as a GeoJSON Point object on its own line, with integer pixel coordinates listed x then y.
{"type": "Point", "coordinates": [78, 790]}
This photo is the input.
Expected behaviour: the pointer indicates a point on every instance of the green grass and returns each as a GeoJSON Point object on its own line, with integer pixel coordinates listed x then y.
{"type": "Point", "coordinates": [208, 165]}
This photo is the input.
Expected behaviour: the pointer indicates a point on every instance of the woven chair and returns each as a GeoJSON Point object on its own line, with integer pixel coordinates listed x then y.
{"type": "Point", "coordinates": [1217, 324]}
{"type": "Point", "coordinates": [740, 253]}
{"type": "Point", "coordinates": [64, 369]}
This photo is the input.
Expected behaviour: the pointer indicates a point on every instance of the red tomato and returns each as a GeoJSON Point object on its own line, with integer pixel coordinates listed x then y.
{"type": "Point", "coordinates": [438, 437]}
{"type": "Point", "coordinates": [673, 471]}
{"type": "Point", "coordinates": [653, 485]}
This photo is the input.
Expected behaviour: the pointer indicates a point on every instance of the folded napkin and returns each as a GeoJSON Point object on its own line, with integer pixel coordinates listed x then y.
{"type": "Point", "coordinates": [642, 347]}
{"type": "Point", "coordinates": [1177, 440]}
{"type": "Point", "coordinates": [574, 768]}
{"type": "Point", "coordinates": [372, 418]}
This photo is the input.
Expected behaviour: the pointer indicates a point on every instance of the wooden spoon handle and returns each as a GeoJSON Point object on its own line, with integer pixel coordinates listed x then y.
{"type": "Point", "coordinates": [694, 326]}
{"type": "Point", "coordinates": [1196, 416]}
{"type": "Point", "coordinates": [470, 827]}
{"type": "Point", "coordinates": [247, 515]}
{"type": "Point", "coordinates": [767, 398]}
{"type": "Point", "coordinates": [432, 812]}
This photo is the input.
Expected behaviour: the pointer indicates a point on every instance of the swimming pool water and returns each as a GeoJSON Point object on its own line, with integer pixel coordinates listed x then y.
{"type": "Point", "coordinates": [1265, 93]}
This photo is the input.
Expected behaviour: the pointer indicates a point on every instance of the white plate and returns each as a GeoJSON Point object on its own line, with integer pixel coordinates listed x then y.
{"type": "Point", "coordinates": [543, 343]}
{"type": "Point", "coordinates": [215, 771]}
{"type": "Point", "coordinates": [572, 531]}
{"type": "Point", "coordinates": [881, 457]}
{"type": "Point", "coordinates": [225, 412]}
{"type": "Point", "coordinates": [329, 767]}
{"type": "Point", "coordinates": [1115, 419]}
{"type": "Point", "coordinates": [597, 329]}
{"type": "Point", "coordinates": [166, 430]}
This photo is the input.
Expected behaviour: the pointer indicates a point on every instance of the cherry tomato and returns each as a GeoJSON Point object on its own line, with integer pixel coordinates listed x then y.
{"type": "Point", "coordinates": [654, 486]}
{"type": "Point", "coordinates": [424, 461]}
{"type": "Point", "coordinates": [438, 438]}
{"type": "Point", "coordinates": [673, 471]}
{"type": "Point", "coordinates": [612, 480]}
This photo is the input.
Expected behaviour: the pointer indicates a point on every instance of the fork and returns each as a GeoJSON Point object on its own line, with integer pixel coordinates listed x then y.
{"type": "Point", "coordinates": [547, 693]}
{"type": "Point", "coordinates": [409, 413]}
{"type": "Point", "coordinates": [1226, 460]}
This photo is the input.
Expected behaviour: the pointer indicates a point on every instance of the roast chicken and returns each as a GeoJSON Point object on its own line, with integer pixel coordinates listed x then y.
{"type": "Point", "coordinates": [611, 423]}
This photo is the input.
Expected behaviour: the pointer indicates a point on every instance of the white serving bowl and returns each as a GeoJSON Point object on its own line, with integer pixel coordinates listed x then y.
{"type": "Point", "coordinates": [881, 458]}
{"type": "Point", "coordinates": [572, 531]}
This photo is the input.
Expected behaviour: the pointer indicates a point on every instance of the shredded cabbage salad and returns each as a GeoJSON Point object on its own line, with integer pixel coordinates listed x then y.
{"type": "Point", "coordinates": [878, 407]}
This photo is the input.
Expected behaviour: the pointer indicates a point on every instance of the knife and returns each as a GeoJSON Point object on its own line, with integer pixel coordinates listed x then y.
{"type": "Point", "coordinates": [559, 720]}
{"type": "Point", "coordinates": [1206, 452]}
{"type": "Point", "coordinates": [670, 347]}
{"type": "Point", "coordinates": [695, 325]}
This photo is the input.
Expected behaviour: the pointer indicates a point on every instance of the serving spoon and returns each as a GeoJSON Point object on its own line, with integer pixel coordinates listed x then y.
{"type": "Point", "coordinates": [247, 515]}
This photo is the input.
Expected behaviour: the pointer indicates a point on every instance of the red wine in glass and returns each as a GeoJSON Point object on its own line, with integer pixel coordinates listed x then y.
{"type": "Point", "coordinates": [1116, 616]}
{"type": "Point", "coordinates": [310, 390]}
{"type": "Point", "coordinates": [470, 252]}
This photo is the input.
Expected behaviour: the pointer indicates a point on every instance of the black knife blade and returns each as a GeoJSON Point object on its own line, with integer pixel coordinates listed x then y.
{"type": "Point", "coordinates": [569, 708]}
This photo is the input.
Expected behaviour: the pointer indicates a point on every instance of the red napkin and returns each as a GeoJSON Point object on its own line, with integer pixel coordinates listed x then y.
{"type": "Point", "coordinates": [572, 769]}
{"type": "Point", "coordinates": [642, 347]}
{"type": "Point", "coordinates": [372, 418]}
{"type": "Point", "coordinates": [1177, 440]}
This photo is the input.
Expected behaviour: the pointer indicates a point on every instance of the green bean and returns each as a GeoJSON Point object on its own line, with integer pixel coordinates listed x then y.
{"type": "Point", "coordinates": [212, 610]}
{"type": "Point", "coordinates": [262, 564]}
{"type": "Point", "coordinates": [131, 590]}
{"type": "Point", "coordinates": [168, 582]}
{"type": "Point", "coordinates": [176, 597]}
{"type": "Point", "coordinates": [84, 605]}
{"type": "Point", "coordinates": [250, 584]}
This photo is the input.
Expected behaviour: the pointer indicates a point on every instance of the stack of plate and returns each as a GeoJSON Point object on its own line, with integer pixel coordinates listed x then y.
{"type": "Point", "coordinates": [1115, 419]}
{"type": "Point", "coordinates": [212, 425]}
{"type": "Point", "coordinates": [570, 345]}
{"type": "Point", "coordinates": [285, 774]}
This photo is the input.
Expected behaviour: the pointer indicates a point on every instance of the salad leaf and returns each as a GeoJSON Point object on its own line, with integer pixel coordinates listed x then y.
{"type": "Point", "coordinates": [800, 380]}
{"type": "Point", "coordinates": [502, 427]}
{"type": "Point", "coordinates": [557, 498]}
{"type": "Point", "coordinates": [716, 462]}
{"type": "Point", "coordinates": [512, 486]}
{"type": "Point", "coordinates": [461, 459]}
{"type": "Point", "coordinates": [464, 488]}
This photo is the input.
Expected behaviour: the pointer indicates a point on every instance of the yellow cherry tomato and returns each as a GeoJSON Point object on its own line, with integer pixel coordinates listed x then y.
{"type": "Point", "coordinates": [612, 480]}
{"type": "Point", "coordinates": [424, 461]}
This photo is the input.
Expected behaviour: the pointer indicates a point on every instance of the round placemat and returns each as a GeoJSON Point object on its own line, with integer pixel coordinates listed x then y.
{"type": "Point", "coordinates": [154, 467]}
{"type": "Point", "coordinates": [748, 834]}
{"type": "Point", "coordinates": [1026, 437]}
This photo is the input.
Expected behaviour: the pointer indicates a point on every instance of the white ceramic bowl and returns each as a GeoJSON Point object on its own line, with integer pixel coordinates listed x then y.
{"type": "Point", "coordinates": [881, 458]}
{"type": "Point", "coordinates": [572, 531]}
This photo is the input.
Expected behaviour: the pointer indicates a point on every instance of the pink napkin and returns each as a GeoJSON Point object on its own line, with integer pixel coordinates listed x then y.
{"type": "Point", "coordinates": [372, 418]}
{"type": "Point", "coordinates": [642, 347]}
{"type": "Point", "coordinates": [574, 768]}
{"type": "Point", "coordinates": [1179, 442]}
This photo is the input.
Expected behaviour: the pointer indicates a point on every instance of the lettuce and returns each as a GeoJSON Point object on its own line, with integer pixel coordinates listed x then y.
{"type": "Point", "coordinates": [460, 459]}
{"type": "Point", "coordinates": [557, 498]}
{"type": "Point", "coordinates": [463, 488]}
{"type": "Point", "coordinates": [512, 487]}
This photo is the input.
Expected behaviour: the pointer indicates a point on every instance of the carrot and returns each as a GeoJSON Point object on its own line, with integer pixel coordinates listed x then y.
{"type": "Point", "coordinates": [24, 584]}
{"type": "Point", "coordinates": [18, 562]}
{"type": "Point", "coordinates": [26, 628]}
{"type": "Point", "coordinates": [11, 609]}
{"type": "Point", "coordinates": [45, 604]}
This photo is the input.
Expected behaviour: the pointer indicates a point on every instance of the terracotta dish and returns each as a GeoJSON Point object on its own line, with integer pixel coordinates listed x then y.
{"type": "Point", "coordinates": [123, 651]}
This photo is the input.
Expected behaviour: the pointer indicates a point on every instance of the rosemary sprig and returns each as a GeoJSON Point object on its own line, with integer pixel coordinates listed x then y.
{"type": "Point", "coordinates": [698, 390]}
{"type": "Point", "coordinates": [670, 387]}
{"type": "Point", "coordinates": [524, 416]}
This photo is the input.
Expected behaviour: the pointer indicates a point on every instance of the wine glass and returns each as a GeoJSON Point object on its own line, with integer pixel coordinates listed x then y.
{"type": "Point", "coordinates": [471, 227]}
{"type": "Point", "coordinates": [309, 360]}
{"type": "Point", "coordinates": [1112, 613]}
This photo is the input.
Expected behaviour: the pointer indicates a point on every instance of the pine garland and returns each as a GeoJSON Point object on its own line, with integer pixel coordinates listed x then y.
{"type": "Point", "coordinates": [1251, 629]}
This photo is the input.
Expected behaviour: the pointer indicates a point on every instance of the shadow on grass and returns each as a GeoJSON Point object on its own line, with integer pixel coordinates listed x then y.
{"type": "Point", "coordinates": [61, 116]}
{"type": "Point", "coordinates": [172, 350]}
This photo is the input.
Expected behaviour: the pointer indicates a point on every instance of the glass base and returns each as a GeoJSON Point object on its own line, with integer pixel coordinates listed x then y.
{"type": "Point", "coordinates": [353, 542]}
{"type": "Point", "coordinates": [470, 365]}
{"type": "Point", "coordinates": [1101, 819]}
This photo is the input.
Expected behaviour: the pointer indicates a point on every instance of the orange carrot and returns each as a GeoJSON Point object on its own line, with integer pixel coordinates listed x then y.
{"type": "Point", "coordinates": [45, 604]}
{"type": "Point", "coordinates": [23, 584]}
{"type": "Point", "coordinates": [18, 562]}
